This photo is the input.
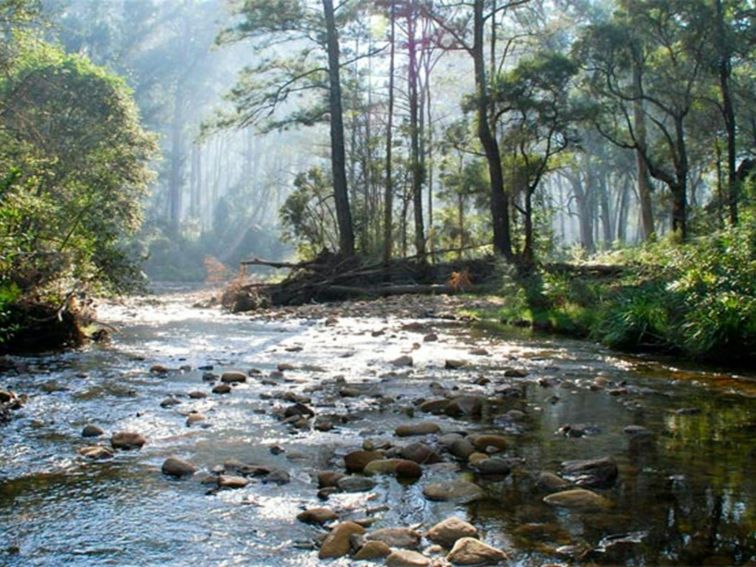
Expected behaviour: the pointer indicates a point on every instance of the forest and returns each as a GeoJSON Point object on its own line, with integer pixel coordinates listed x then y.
{"type": "Point", "coordinates": [532, 220]}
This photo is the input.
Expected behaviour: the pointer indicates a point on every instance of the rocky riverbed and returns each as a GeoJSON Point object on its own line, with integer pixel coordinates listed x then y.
{"type": "Point", "coordinates": [393, 431]}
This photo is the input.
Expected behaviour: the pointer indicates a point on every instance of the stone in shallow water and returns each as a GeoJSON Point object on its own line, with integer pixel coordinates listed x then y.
{"type": "Point", "coordinates": [355, 484]}
{"type": "Point", "coordinates": [419, 428]}
{"type": "Point", "coordinates": [483, 441]}
{"type": "Point", "coordinates": [407, 558]}
{"type": "Point", "coordinates": [91, 431]}
{"type": "Point", "coordinates": [337, 542]}
{"type": "Point", "coordinates": [396, 537]}
{"type": "Point", "coordinates": [470, 551]}
{"type": "Point", "coordinates": [458, 491]}
{"type": "Point", "coordinates": [550, 482]}
{"type": "Point", "coordinates": [96, 452]}
{"type": "Point", "coordinates": [578, 498]}
{"type": "Point", "coordinates": [127, 440]}
{"type": "Point", "coordinates": [233, 377]}
{"type": "Point", "coordinates": [222, 389]}
{"type": "Point", "coordinates": [317, 516]}
{"type": "Point", "coordinates": [420, 453]}
{"type": "Point", "coordinates": [446, 533]}
{"type": "Point", "coordinates": [178, 468]}
{"type": "Point", "coordinates": [591, 473]}
{"type": "Point", "coordinates": [232, 482]}
{"type": "Point", "coordinates": [356, 461]}
{"type": "Point", "coordinates": [400, 467]}
{"type": "Point", "coordinates": [372, 550]}
{"type": "Point", "coordinates": [403, 361]}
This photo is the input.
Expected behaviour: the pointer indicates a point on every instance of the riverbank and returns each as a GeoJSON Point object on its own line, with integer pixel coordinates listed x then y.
{"type": "Point", "coordinates": [273, 412]}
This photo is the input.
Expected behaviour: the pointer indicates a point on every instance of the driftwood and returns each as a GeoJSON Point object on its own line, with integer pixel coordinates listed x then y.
{"type": "Point", "coordinates": [332, 278]}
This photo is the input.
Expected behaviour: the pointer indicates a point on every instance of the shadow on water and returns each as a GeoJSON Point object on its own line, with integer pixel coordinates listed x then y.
{"type": "Point", "coordinates": [684, 495]}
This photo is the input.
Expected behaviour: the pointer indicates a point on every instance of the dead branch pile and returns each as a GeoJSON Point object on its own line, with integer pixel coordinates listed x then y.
{"type": "Point", "coordinates": [333, 278]}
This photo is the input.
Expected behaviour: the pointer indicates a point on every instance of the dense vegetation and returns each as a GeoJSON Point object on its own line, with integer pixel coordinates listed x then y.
{"type": "Point", "coordinates": [537, 131]}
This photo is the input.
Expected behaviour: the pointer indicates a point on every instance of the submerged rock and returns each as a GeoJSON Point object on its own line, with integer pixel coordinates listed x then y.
{"type": "Point", "coordinates": [458, 491]}
{"type": "Point", "coordinates": [420, 453]}
{"type": "Point", "coordinates": [446, 533]}
{"type": "Point", "coordinates": [550, 482]}
{"type": "Point", "coordinates": [578, 498]}
{"type": "Point", "coordinates": [232, 482]}
{"type": "Point", "coordinates": [355, 484]}
{"type": "Point", "coordinates": [401, 468]}
{"type": "Point", "coordinates": [591, 473]}
{"type": "Point", "coordinates": [221, 389]}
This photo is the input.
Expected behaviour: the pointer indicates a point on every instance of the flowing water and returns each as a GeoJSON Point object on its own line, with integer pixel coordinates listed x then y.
{"type": "Point", "coordinates": [685, 494]}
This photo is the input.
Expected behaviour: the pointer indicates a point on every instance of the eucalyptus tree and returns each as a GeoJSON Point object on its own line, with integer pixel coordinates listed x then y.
{"type": "Point", "coordinates": [646, 67]}
{"type": "Point", "coordinates": [298, 53]}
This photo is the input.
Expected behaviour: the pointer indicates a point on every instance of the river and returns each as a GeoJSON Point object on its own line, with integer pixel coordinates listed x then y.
{"type": "Point", "coordinates": [685, 492]}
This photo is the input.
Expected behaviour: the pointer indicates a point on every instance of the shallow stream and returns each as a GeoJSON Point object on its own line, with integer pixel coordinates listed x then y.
{"type": "Point", "coordinates": [685, 493]}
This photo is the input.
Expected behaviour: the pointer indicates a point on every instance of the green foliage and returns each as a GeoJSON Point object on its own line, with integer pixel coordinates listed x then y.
{"type": "Point", "coordinates": [308, 215]}
{"type": "Point", "coordinates": [73, 163]}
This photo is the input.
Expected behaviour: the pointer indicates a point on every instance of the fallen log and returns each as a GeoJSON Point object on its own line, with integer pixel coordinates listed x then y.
{"type": "Point", "coordinates": [386, 290]}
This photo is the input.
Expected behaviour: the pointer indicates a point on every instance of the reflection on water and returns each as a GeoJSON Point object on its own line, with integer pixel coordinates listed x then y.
{"type": "Point", "coordinates": [685, 493]}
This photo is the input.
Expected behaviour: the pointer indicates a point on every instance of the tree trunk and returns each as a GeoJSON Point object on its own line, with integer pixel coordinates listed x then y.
{"type": "Point", "coordinates": [177, 157]}
{"type": "Point", "coordinates": [388, 199]}
{"type": "Point", "coordinates": [499, 196]}
{"type": "Point", "coordinates": [680, 187]}
{"type": "Point", "coordinates": [728, 112]}
{"type": "Point", "coordinates": [644, 180]}
{"type": "Point", "coordinates": [606, 215]}
{"type": "Point", "coordinates": [416, 165]}
{"type": "Point", "coordinates": [338, 153]}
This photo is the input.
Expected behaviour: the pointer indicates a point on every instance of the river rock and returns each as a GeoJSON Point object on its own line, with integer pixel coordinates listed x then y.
{"type": "Point", "coordinates": [193, 418]}
{"type": "Point", "coordinates": [317, 516]}
{"type": "Point", "coordinates": [197, 395]}
{"type": "Point", "coordinates": [470, 551]}
{"type": "Point", "coordinates": [484, 442]}
{"type": "Point", "coordinates": [434, 406]}
{"type": "Point", "coordinates": [417, 428]}
{"type": "Point", "coordinates": [372, 550]}
{"type": "Point", "coordinates": [96, 452]}
{"type": "Point", "coordinates": [91, 431]}
{"type": "Point", "coordinates": [127, 440]}
{"type": "Point", "coordinates": [515, 373]}
{"type": "Point", "coordinates": [406, 558]}
{"type": "Point", "coordinates": [327, 479]}
{"type": "Point", "coordinates": [578, 498]}
{"type": "Point", "coordinates": [454, 364]}
{"type": "Point", "coordinates": [396, 537]}
{"type": "Point", "coordinates": [494, 466]}
{"type": "Point", "coordinates": [403, 361]}
{"type": "Point", "coordinates": [402, 468]}
{"type": "Point", "coordinates": [461, 448]}
{"type": "Point", "coordinates": [232, 481]}
{"type": "Point", "coordinates": [637, 431]}
{"type": "Point", "coordinates": [355, 484]}
{"type": "Point", "coordinates": [356, 461]}
{"type": "Point", "coordinates": [233, 377]}
{"type": "Point", "coordinates": [550, 482]}
{"type": "Point", "coordinates": [178, 468]}
{"type": "Point", "coordinates": [458, 491]}
{"type": "Point", "coordinates": [470, 406]}
{"type": "Point", "coordinates": [221, 389]}
{"type": "Point", "coordinates": [420, 453]}
{"type": "Point", "coordinates": [298, 409]}
{"type": "Point", "coordinates": [337, 542]}
{"type": "Point", "coordinates": [592, 473]}
{"type": "Point", "coordinates": [169, 402]}
{"type": "Point", "coordinates": [446, 533]}
{"type": "Point", "coordinates": [430, 338]}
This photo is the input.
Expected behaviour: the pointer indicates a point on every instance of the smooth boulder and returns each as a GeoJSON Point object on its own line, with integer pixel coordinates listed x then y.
{"type": "Point", "coordinates": [177, 468]}
{"type": "Point", "coordinates": [447, 532]}
{"type": "Point", "coordinates": [458, 491]}
{"type": "Point", "coordinates": [418, 428]}
{"type": "Point", "coordinates": [579, 499]}
{"type": "Point", "coordinates": [127, 440]}
{"type": "Point", "coordinates": [470, 551]}
{"type": "Point", "coordinates": [337, 542]}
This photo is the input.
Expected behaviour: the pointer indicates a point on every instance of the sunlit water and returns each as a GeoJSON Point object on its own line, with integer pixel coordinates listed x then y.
{"type": "Point", "coordinates": [686, 496]}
